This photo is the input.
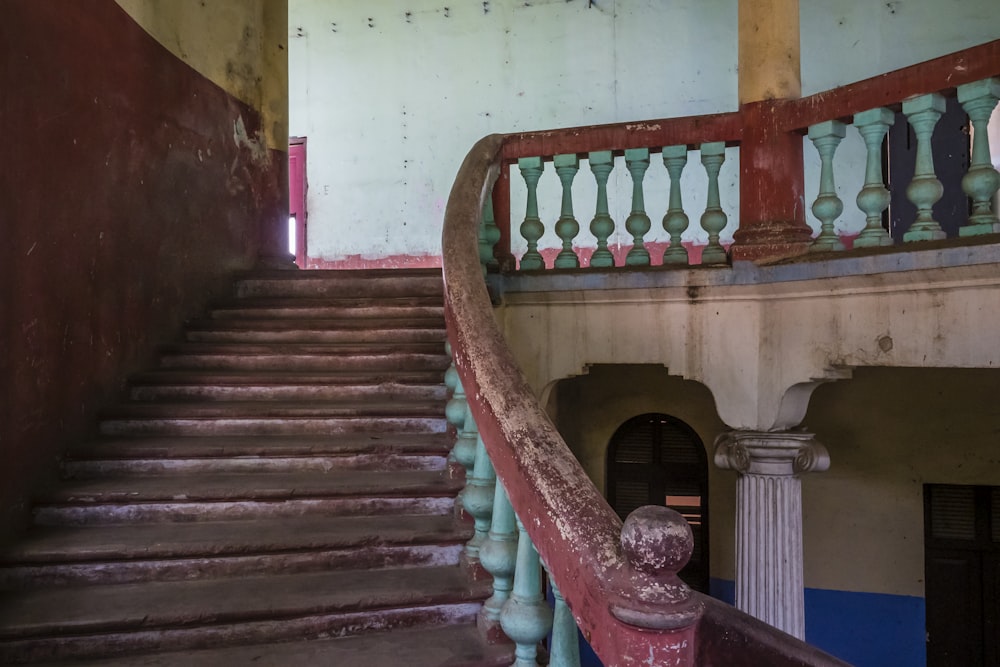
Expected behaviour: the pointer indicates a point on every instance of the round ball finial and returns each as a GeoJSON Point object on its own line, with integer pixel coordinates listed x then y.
{"type": "Point", "coordinates": [657, 539]}
{"type": "Point", "coordinates": [656, 544]}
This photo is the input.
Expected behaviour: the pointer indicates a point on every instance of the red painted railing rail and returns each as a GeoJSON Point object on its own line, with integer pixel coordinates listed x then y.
{"type": "Point", "coordinates": [772, 192]}
{"type": "Point", "coordinates": [576, 532]}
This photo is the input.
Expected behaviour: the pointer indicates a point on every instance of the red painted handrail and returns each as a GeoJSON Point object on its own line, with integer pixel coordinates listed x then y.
{"type": "Point", "coordinates": [574, 529]}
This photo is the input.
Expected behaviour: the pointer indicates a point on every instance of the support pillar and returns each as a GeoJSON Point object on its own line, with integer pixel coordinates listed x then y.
{"type": "Point", "coordinates": [769, 583]}
{"type": "Point", "coordinates": [772, 199]}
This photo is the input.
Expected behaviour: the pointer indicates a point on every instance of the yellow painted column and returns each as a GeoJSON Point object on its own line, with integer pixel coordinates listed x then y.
{"type": "Point", "coordinates": [772, 202]}
{"type": "Point", "coordinates": [769, 50]}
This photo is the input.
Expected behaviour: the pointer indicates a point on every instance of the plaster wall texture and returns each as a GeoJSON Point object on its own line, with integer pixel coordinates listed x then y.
{"type": "Point", "coordinates": [391, 96]}
{"type": "Point", "coordinates": [132, 202]}
{"type": "Point", "coordinates": [239, 45]}
{"type": "Point", "coordinates": [762, 347]}
{"type": "Point", "coordinates": [863, 518]}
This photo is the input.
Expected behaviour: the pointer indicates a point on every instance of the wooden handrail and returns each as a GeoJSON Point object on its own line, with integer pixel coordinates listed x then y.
{"type": "Point", "coordinates": [574, 529]}
{"type": "Point", "coordinates": [888, 90]}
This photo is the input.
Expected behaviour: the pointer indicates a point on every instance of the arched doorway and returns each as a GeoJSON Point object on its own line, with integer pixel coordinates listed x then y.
{"type": "Point", "coordinates": [656, 459]}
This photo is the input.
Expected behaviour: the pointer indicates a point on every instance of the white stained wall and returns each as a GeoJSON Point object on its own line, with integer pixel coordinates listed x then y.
{"type": "Point", "coordinates": [392, 94]}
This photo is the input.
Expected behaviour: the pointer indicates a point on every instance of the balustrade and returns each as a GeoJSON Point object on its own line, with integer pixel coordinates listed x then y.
{"type": "Point", "coordinates": [631, 244]}
{"type": "Point", "coordinates": [632, 606]}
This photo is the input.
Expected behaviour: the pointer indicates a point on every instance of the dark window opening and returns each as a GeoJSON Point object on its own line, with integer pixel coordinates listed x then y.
{"type": "Point", "coordinates": [656, 459]}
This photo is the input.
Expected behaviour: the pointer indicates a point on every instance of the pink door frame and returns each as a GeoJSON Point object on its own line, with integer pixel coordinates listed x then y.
{"type": "Point", "coordinates": [297, 186]}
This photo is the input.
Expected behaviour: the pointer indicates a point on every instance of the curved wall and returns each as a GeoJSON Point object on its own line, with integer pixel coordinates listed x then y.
{"type": "Point", "coordinates": [133, 187]}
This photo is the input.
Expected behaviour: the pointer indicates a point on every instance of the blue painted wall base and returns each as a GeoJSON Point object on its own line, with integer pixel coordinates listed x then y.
{"type": "Point", "coordinates": [865, 629]}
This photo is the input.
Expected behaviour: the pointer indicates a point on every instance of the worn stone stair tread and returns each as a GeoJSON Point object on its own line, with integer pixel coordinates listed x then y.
{"type": "Point", "coordinates": [64, 544]}
{"type": "Point", "coordinates": [254, 486]}
{"type": "Point", "coordinates": [266, 445]}
{"type": "Point", "coordinates": [458, 645]}
{"type": "Point", "coordinates": [361, 301]}
{"type": "Point", "coordinates": [431, 325]}
{"type": "Point", "coordinates": [262, 377]}
{"type": "Point", "coordinates": [177, 604]}
{"type": "Point", "coordinates": [401, 407]}
{"type": "Point", "coordinates": [374, 349]}
{"type": "Point", "coordinates": [297, 309]}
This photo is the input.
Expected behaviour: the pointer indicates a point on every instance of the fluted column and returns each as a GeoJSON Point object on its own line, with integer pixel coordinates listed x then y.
{"type": "Point", "coordinates": [769, 583]}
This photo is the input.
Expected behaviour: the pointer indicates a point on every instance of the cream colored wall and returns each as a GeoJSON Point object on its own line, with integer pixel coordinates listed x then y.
{"type": "Point", "coordinates": [240, 45]}
{"type": "Point", "coordinates": [591, 407]}
{"type": "Point", "coordinates": [889, 432]}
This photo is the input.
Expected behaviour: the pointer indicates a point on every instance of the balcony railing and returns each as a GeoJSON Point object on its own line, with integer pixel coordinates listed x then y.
{"type": "Point", "coordinates": [532, 502]}
{"type": "Point", "coordinates": [749, 190]}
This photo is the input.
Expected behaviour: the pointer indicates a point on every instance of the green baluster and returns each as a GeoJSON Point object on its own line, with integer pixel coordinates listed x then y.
{"type": "Point", "coordinates": [602, 226]}
{"type": "Point", "coordinates": [874, 197]}
{"type": "Point", "coordinates": [925, 189]}
{"type": "Point", "coordinates": [565, 648]}
{"type": "Point", "coordinates": [477, 499]}
{"type": "Point", "coordinates": [526, 618]}
{"type": "Point", "coordinates": [675, 221]}
{"type": "Point", "coordinates": [982, 182]}
{"type": "Point", "coordinates": [567, 227]}
{"type": "Point", "coordinates": [532, 227]}
{"type": "Point", "coordinates": [489, 234]}
{"type": "Point", "coordinates": [826, 136]}
{"type": "Point", "coordinates": [637, 224]}
{"type": "Point", "coordinates": [498, 554]}
{"type": "Point", "coordinates": [451, 384]}
{"type": "Point", "coordinates": [458, 415]}
{"type": "Point", "coordinates": [714, 219]}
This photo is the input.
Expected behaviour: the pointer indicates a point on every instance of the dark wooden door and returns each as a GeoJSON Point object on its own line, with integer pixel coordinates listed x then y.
{"type": "Point", "coordinates": [962, 567]}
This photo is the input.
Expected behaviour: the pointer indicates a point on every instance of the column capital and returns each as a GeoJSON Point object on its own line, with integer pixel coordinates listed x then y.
{"type": "Point", "coordinates": [782, 453]}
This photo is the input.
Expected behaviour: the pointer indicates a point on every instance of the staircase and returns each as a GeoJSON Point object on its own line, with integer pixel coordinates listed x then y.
{"type": "Point", "coordinates": [275, 493]}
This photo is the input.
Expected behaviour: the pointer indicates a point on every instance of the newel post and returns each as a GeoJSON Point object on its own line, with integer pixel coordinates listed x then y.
{"type": "Point", "coordinates": [647, 593]}
{"type": "Point", "coordinates": [769, 582]}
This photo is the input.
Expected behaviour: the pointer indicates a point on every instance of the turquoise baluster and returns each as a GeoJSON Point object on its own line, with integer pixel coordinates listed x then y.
{"type": "Point", "coordinates": [925, 189]}
{"type": "Point", "coordinates": [637, 223]}
{"type": "Point", "coordinates": [675, 221]}
{"type": "Point", "coordinates": [826, 136]}
{"type": "Point", "coordinates": [565, 648]}
{"type": "Point", "coordinates": [489, 234]}
{"type": "Point", "coordinates": [982, 182]}
{"type": "Point", "coordinates": [602, 226]}
{"type": "Point", "coordinates": [458, 415]}
{"type": "Point", "coordinates": [874, 197]}
{"type": "Point", "coordinates": [526, 617]}
{"type": "Point", "coordinates": [498, 554]}
{"type": "Point", "coordinates": [714, 219]}
{"type": "Point", "coordinates": [477, 498]}
{"type": "Point", "coordinates": [451, 384]}
{"type": "Point", "coordinates": [532, 227]}
{"type": "Point", "coordinates": [567, 227]}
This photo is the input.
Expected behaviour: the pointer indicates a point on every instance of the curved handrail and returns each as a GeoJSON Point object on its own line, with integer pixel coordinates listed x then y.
{"type": "Point", "coordinates": [574, 529]}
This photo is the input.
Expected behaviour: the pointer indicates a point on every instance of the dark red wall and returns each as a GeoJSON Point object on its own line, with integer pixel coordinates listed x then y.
{"type": "Point", "coordinates": [125, 203]}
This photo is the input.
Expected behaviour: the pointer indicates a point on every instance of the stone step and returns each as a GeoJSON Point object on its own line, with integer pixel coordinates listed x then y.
{"type": "Point", "coordinates": [91, 468]}
{"type": "Point", "coordinates": [456, 645]}
{"type": "Point", "coordinates": [207, 385]}
{"type": "Point", "coordinates": [98, 621]}
{"type": "Point", "coordinates": [371, 283]}
{"type": "Point", "coordinates": [317, 331]}
{"type": "Point", "coordinates": [419, 308]}
{"type": "Point", "coordinates": [245, 423]}
{"type": "Point", "coordinates": [261, 358]}
{"type": "Point", "coordinates": [124, 553]}
{"type": "Point", "coordinates": [374, 444]}
{"type": "Point", "coordinates": [221, 496]}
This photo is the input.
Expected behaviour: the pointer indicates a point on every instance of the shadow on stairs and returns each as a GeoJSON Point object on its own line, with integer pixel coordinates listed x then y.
{"type": "Point", "coordinates": [277, 492]}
